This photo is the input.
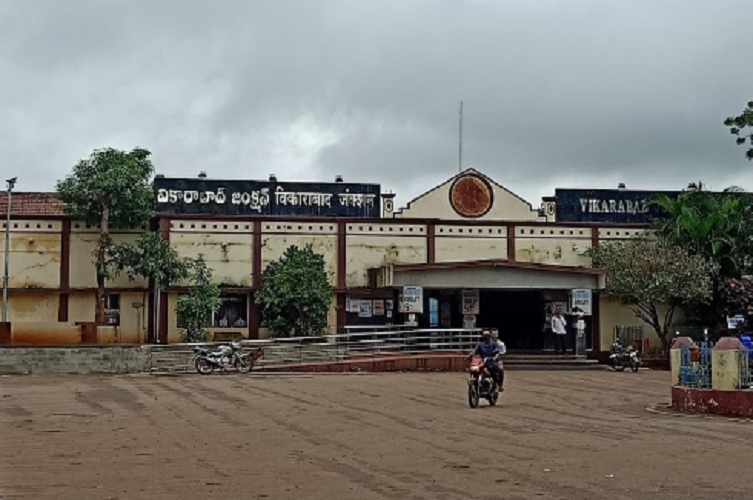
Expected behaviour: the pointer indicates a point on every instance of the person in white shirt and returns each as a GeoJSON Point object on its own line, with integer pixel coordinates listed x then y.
{"type": "Point", "coordinates": [560, 333]}
{"type": "Point", "coordinates": [502, 350]}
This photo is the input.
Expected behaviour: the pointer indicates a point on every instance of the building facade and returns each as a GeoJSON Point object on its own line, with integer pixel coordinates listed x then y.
{"type": "Point", "coordinates": [470, 251]}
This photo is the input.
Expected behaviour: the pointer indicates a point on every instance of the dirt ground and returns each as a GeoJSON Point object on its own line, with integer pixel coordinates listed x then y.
{"type": "Point", "coordinates": [564, 434]}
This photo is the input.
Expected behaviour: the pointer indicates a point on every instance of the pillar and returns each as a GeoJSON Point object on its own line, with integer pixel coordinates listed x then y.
{"type": "Point", "coordinates": [675, 357]}
{"type": "Point", "coordinates": [727, 364]}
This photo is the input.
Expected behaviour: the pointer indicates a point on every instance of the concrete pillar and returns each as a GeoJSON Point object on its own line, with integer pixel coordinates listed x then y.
{"type": "Point", "coordinates": [675, 357]}
{"type": "Point", "coordinates": [726, 364]}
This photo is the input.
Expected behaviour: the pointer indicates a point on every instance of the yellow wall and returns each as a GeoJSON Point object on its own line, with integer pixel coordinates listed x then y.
{"type": "Point", "coordinates": [32, 306]}
{"type": "Point", "coordinates": [459, 243]}
{"type": "Point", "coordinates": [612, 313]}
{"type": "Point", "coordinates": [278, 236]}
{"type": "Point", "coordinates": [553, 245]}
{"type": "Point", "coordinates": [82, 306]}
{"type": "Point", "coordinates": [82, 272]}
{"type": "Point", "coordinates": [229, 255]}
{"type": "Point", "coordinates": [374, 245]}
{"type": "Point", "coordinates": [34, 260]}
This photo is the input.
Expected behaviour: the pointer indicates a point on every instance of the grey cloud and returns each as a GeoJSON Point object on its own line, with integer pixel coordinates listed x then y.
{"type": "Point", "coordinates": [585, 93]}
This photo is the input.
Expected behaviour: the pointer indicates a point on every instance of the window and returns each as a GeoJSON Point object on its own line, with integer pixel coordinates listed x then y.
{"type": "Point", "coordinates": [112, 309]}
{"type": "Point", "coordinates": [232, 313]}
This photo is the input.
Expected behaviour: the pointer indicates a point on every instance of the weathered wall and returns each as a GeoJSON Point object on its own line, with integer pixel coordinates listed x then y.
{"type": "Point", "coordinates": [374, 245]}
{"type": "Point", "coordinates": [32, 306]}
{"type": "Point", "coordinates": [78, 360]}
{"type": "Point", "coordinates": [82, 307]}
{"type": "Point", "coordinates": [460, 243]}
{"type": "Point", "coordinates": [552, 245]}
{"type": "Point", "coordinates": [34, 260]}
{"type": "Point", "coordinates": [83, 243]}
{"type": "Point", "coordinates": [278, 236]}
{"type": "Point", "coordinates": [227, 248]}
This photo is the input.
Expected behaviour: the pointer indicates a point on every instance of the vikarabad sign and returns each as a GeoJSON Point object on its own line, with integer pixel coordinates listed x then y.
{"type": "Point", "coordinates": [223, 197]}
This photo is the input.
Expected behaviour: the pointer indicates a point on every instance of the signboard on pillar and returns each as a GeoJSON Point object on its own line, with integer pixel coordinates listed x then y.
{"type": "Point", "coordinates": [412, 300]}
{"type": "Point", "coordinates": [581, 299]}
{"type": "Point", "coordinates": [470, 302]}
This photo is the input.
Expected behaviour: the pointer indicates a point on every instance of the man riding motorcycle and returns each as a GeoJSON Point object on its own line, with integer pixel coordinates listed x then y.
{"type": "Point", "coordinates": [502, 352]}
{"type": "Point", "coordinates": [489, 351]}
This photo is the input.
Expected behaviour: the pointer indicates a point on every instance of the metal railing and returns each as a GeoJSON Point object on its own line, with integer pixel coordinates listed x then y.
{"type": "Point", "coordinates": [348, 346]}
{"type": "Point", "coordinates": [631, 335]}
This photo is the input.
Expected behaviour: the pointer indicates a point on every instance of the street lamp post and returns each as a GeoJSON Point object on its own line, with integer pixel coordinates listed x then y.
{"type": "Point", "coordinates": [10, 183]}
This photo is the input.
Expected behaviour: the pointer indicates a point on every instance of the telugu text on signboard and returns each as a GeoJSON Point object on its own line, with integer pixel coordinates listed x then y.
{"type": "Point", "coordinates": [220, 197]}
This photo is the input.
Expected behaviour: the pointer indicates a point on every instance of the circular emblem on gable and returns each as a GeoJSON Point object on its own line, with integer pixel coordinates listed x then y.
{"type": "Point", "coordinates": [471, 196]}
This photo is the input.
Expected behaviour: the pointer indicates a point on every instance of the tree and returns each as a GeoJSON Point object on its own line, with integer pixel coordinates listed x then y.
{"type": "Point", "coordinates": [295, 293]}
{"type": "Point", "coordinates": [717, 227]}
{"type": "Point", "coordinates": [110, 189]}
{"type": "Point", "coordinates": [644, 273]}
{"type": "Point", "coordinates": [737, 126]}
{"type": "Point", "coordinates": [150, 258]}
{"type": "Point", "coordinates": [195, 308]}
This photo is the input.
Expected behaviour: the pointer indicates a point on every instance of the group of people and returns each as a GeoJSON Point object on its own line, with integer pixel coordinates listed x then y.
{"type": "Point", "coordinates": [490, 348]}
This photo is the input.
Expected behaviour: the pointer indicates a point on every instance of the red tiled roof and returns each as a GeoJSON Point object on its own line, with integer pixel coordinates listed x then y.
{"type": "Point", "coordinates": [31, 204]}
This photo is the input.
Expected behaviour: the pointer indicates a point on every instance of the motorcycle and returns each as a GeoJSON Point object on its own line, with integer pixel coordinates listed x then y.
{"type": "Point", "coordinates": [481, 383]}
{"type": "Point", "coordinates": [226, 355]}
{"type": "Point", "coordinates": [622, 357]}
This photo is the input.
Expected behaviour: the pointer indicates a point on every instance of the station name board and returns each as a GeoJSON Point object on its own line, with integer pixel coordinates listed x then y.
{"type": "Point", "coordinates": [303, 199]}
{"type": "Point", "coordinates": [608, 205]}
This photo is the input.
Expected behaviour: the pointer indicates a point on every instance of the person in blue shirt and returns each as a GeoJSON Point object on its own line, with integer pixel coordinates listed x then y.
{"type": "Point", "coordinates": [488, 349]}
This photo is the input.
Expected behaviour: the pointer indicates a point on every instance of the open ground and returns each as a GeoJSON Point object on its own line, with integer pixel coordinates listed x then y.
{"type": "Point", "coordinates": [558, 434]}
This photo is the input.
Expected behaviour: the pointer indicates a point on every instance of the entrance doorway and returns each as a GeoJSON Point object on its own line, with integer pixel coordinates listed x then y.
{"type": "Point", "coordinates": [518, 315]}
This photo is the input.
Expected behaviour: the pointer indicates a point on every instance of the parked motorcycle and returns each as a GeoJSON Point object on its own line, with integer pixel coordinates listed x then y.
{"type": "Point", "coordinates": [622, 357]}
{"type": "Point", "coordinates": [481, 383]}
{"type": "Point", "coordinates": [225, 356]}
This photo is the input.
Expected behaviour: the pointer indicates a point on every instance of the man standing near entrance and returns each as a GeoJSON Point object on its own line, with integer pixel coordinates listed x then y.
{"type": "Point", "coordinates": [560, 333]}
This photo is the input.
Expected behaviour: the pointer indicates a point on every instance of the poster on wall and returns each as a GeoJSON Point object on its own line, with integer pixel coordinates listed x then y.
{"type": "Point", "coordinates": [378, 308]}
{"type": "Point", "coordinates": [412, 300]}
{"type": "Point", "coordinates": [471, 302]}
{"type": "Point", "coordinates": [365, 309]}
{"type": "Point", "coordinates": [433, 313]}
{"type": "Point", "coordinates": [389, 305]}
{"type": "Point", "coordinates": [581, 299]}
{"type": "Point", "coordinates": [355, 306]}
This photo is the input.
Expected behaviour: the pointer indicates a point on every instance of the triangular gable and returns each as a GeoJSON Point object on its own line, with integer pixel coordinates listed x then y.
{"type": "Point", "coordinates": [469, 195]}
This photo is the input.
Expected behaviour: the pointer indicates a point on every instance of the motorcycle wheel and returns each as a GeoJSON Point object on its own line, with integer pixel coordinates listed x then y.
{"type": "Point", "coordinates": [634, 365]}
{"type": "Point", "coordinates": [617, 366]}
{"type": "Point", "coordinates": [493, 397]}
{"type": "Point", "coordinates": [473, 396]}
{"type": "Point", "coordinates": [203, 366]}
{"type": "Point", "coordinates": [244, 364]}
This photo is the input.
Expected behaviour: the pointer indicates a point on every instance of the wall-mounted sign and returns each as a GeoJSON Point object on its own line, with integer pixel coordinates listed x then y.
{"type": "Point", "coordinates": [364, 309]}
{"type": "Point", "coordinates": [412, 300]}
{"type": "Point", "coordinates": [471, 196]}
{"type": "Point", "coordinates": [608, 205]}
{"type": "Point", "coordinates": [218, 197]}
{"type": "Point", "coordinates": [581, 299]}
{"type": "Point", "coordinates": [470, 302]}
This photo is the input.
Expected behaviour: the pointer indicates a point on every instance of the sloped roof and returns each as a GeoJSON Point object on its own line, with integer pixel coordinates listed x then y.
{"type": "Point", "coordinates": [469, 170]}
{"type": "Point", "coordinates": [31, 204]}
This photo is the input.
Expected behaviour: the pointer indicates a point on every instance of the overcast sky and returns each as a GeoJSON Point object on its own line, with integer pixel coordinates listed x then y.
{"type": "Point", "coordinates": [576, 93]}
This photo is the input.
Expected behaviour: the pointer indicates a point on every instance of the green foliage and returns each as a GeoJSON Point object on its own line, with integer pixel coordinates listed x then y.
{"type": "Point", "coordinates": [295, 293]}
{"type": "Point", "coordinates": [646, 272]}
{"type": "Point", "coordinates": [110, 183]}
{"type": "Point", "coordinates": [150, 257]}
{"type": "Point", "coordinates": [195, 308]}
{"type": "Point", "coordinates": [737, 126]}
{"type": "Point", "coordinates": [717, 227]}
{"type": "Point", "coordinates": [111, 189]}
